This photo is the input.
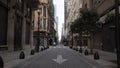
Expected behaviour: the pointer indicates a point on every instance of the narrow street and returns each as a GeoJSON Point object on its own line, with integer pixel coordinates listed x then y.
{"type": "Point", "coordinates": [59, 34]}
{"type": "Point", "coordinates": [59, 57]}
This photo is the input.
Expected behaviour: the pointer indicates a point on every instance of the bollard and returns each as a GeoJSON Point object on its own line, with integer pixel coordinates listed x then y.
{"type": "Point", "coordinates": [86, 52]}
{"type": "Point", "coordinates": [32, 52]}
{"type": "Point", "coordinates": [80, 50]}
{"type": "Point", "coordinates": [70, 47]}
{"type": "Point", "coordinates": [96, 56]}
{"type": "Point", "coordinates": [22, 55]}
{"type": "Point", "coordinates": [73, 48]}
{"type": "Point", "coordinates": [42, 49]}
{"type": "Point", "coordinates": [47, 47]}
{"type": "Point", "coordinates": [1, 62]}
{"type": "Point", "coordinates": [76, 49]}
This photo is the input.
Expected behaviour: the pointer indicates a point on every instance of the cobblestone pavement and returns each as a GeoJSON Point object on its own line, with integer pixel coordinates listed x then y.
{"type": "Point", "coordinates": [59, 57]}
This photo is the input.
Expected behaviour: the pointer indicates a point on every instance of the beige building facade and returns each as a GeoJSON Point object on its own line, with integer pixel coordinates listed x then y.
{"type": "Point", "coordinates": [73, 8]}
{"type": "Point", "coordinates": [43, 8]}
{"type": "Point", "coordinates": [47, 22]}
{"type": "Point", "coordinates": [43, 16]}
{"type": "Point", "coordinates": [72, 13]}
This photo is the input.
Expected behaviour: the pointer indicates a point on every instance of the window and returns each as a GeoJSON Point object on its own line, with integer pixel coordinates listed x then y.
{"type": "Point", "coordinates": [44, 23]}
{"type": "Point", "coordinates": [85, 5]}
{"type": "Point", "coordinates": [44, 9]}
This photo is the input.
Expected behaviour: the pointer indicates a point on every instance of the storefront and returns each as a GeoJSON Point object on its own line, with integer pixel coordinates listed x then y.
{"type": "Point", "coordinates": [3, 26]}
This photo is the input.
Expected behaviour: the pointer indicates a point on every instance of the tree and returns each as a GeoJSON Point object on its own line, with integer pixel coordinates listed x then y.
{"type": "Point", "coordinates": [86, 22]}
{"type": "Point", "coordinates": [77, 27]}
{"type": "Point", "coordinates": [90, 18]}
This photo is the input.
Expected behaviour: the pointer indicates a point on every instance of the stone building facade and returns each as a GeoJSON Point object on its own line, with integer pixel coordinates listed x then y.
{"type": "Point", "coordinates": [72, 12]}
{"type": "Point", "coordinates": [72, 8]}
{"type": "Point", "coordinates": [52, 22]}
{"type": "Point", "coordinates": [105, 38]}
{"type": "Point", "coordinates": [46, 22]}
{"type": "Point", "coordinates": [16, 24]}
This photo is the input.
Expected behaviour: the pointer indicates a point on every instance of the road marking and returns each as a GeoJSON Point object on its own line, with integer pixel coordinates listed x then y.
{"type": "Point", "coordinates": [59, 59]}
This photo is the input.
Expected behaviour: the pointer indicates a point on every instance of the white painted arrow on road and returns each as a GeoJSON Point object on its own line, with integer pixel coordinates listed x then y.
{"type": "Point", "coordinates": [59, 59]}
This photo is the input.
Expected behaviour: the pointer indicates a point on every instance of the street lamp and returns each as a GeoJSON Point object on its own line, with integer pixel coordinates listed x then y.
{"type": "Point", "coordinates": [38, 33]}
{"type": "Point", "coordinates": [117, 29]}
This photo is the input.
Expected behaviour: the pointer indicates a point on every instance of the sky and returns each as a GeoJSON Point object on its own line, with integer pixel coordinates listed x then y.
{"type": "Point", "coordinates": [59, 7]}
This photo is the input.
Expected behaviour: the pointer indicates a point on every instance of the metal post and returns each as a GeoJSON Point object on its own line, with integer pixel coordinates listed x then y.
{"type": "Point", "coordinates": [117, 29]}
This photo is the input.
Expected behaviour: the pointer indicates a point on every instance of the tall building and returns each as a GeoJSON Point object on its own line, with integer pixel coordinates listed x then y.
{"type": "Point", "coordinates": [52, 21]}
{"type": "Point", "coordinates": [47, 21]}
{"type": "Point", "coordinates": [72, 8]}
{"type": "Point", "coordinates": [43, 7]}
{"type": "Point", "coordinates": [56, 19]}
{"type": "Point", "coordinates": [104, 38]}
{"type": "Point", "coordinates": [16, 24]}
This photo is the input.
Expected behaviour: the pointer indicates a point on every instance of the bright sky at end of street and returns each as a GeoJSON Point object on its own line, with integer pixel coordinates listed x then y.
{"type": "Point", "coordinates": [59, 7]}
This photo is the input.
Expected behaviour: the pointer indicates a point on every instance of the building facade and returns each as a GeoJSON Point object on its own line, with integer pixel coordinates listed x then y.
{"type": "Point", "coordinates": [47, 22]}
{"type": "Point", "coordinates": [105, 38]}
{"type": "Point", "coordinates": [52, 22]}
{"type": "Point", "coordinates": [72, 8]}
{"type": "Point", "coordinates": [16, 24]}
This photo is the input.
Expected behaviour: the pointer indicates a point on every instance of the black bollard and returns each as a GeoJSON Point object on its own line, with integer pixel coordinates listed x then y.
{"type": "Point", "coordinates": [22, 55]}
{"type": "Point", "coordinates": [80, 50]}
{"type": "Point", "coordinates": [76, 49]}
{"type": "Point", "coordinates": [47, 47]}
{"type": "Point", "coordinates": [42, 49]}
{"type": "Point", "coordinates": [1, 62]}
{"type": "Point", "coordinates": [86, 52]}
{"type": "Point", "coordinates": [32, 52]}
{"type": "Point", "coordinates": [96, 56]}
{"type": "Point", "coordinates": [73, 48]}
{"type": "Point", "coordinates": [70, 47]}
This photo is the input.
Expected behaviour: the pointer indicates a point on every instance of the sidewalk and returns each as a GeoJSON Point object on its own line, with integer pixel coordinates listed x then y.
{"type": "Point", "coordinates": [12, 58]}
{"type": "Point", "coordinates": [107, 59]}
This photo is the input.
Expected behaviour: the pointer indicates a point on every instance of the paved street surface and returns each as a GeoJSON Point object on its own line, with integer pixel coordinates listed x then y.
{"type": "Point", "coordinates": [59, 57]}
